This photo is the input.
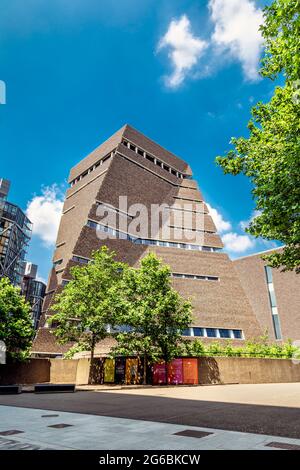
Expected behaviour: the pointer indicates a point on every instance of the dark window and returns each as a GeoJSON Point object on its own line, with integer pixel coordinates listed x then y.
{"type": "Point", "coordinates": [151, 159]}
{"type": "Point", "coordinates": [211, 332]}
{"type": "Point", "coordinates": [224, 333]}
{"type": "Point", "coordinates": [277, 328]}
{"type": "Point", "coordinates": [140, 152]}
{"type": "Point", "coordinates": [269, 275]}
{"type": "Point", "coordinates": [132, 147]}
{"type": "Point", "coordinates": [186, 332]}
{"type": "Point", "coordinates": [198, 332]}
{"type": "Point", "coordinates": [105, 158]}
{"type": "Point", "coordinates": [237, 334]}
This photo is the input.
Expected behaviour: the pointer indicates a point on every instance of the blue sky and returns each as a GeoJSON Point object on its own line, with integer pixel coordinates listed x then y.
{"type": "Point", "coordinates": [182, 72]}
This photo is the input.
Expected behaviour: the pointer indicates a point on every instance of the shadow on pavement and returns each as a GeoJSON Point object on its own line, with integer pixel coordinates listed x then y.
{"type": "Point", "coordinates": [260, 419]}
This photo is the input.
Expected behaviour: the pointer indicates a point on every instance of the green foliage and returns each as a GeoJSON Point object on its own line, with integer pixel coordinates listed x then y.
{"type": "Point", "coordinates": [154, 311]}
{"type": "Point", "coordinates": [77, 348]}
{"type": "Point", "coordinates": [89, 302]}
{"type": "Point", "coordinates": [270, 156]}
{"type": "Point", "coordinates": [16, 329]}
{"type": "Point", "coordinates": [255, 348]}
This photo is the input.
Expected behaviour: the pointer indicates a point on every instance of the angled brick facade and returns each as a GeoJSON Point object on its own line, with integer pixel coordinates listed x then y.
{"type": "Point", "coordinates": [129, 164]}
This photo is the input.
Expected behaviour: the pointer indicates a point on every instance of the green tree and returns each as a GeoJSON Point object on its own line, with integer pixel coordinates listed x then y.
{"type": "Point", "coordinates": [154, 313]}
{"type": "Point", "coordinates": [89, 302]}
{"type": "Point", "coordinates": [16, 329]}
{"type": "Point", "coordinates": [270, 156]}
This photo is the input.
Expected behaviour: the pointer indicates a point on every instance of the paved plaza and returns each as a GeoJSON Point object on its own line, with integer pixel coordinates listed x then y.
{"type": "Point", "coordinates": [37, 429]}
{"type": "Point", "coordinates": [264, 417]}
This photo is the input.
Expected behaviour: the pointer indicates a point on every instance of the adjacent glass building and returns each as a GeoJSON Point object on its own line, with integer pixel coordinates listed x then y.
{"type": "Point", "coordinates": [15, 233]}
{"type": "Point", "coordinates": [34, 291]}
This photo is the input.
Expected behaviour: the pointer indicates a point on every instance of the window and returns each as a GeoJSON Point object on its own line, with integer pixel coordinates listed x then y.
{"type": "Point", "coordinates": [273, 302]}
{"type": "Point", "coordinates": [79, 259]}
{"type": "Point", "coordinates": [224, 333]}
{"type": "Point", "coordinates": [269, 274]}
{"type": "Point", "coordinates": [186, 332]}
{"type": "Point", "coordinates": [58, 262]}
{"type": "Point", "coordinates": [151, 159]}
{"type": "Point", "coordinates": [237, 334]}
{"type": "Point", "coordinates": [198, 331]}
{"type": "Point", "coordinates": [211, 332]}
{"type": "Point", "coordinates": [276, 324]}
{"type": "Point", "coordinates": [145, 241]}
{"type": "Point", "coordinates": [140, 152]}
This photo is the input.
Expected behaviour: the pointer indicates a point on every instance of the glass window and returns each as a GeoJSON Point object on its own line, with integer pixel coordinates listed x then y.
{"type": "Point", "coordinates": [186, 332]}
{"type": "Point", "coordinates": [224, 333]}
{"type": "Point", "coordinates": [198, 331]}
{"type": "Point", "coordinates": [272, 298]}
{"type": "Point", "coordinates": [237, 334]}
{"type": "Point", "coordinates": [269, 275]}
{"type": "Point", "coordinates": [277, 328]}
{"type": "Point", "coordinates": [211, 332]}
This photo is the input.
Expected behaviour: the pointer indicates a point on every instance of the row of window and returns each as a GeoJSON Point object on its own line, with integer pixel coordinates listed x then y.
{"type": "Point", "coordinates": [195, 276]}
{"type": "Point", "coordinates": [213, 333]}
{"type": "Point", "coordinates": [145, 241]}
{"type": "Point", "coordinates": [92, 168]}
{"type": "Point", "coordinates": [154, 160]}
{"type": "Point", "coordinates": [80, 260]}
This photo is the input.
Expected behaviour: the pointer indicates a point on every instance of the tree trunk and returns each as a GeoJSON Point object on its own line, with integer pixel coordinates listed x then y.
{"type": "Point", "coordinates": [145, 370]}
{"type": "Point", "coordinates": [92, 361]}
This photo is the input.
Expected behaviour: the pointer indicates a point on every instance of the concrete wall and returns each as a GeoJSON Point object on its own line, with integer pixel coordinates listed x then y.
{"type": "Point", "coordinates": [231, 370]}
{"type": "Point", "coordinates": [212, 370]}
{"type": "Point", "coordinates": [63, 370]}
{"type": "Point", "coordinates": [33, 371]}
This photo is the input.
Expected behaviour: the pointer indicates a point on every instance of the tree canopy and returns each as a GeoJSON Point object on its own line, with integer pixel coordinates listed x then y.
{"type": "Point", "coordinates": [270, 156]}
{"type": "Point", "coordinates": [16, 328]}
{"type": "Point", "coordinates": [153, 314]}
{"type": "Point", "coordinates": [89, 302]}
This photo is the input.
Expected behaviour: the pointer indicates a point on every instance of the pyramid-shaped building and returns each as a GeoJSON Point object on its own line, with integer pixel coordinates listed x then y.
{"type": "Point", "coordinates": [145, 175]}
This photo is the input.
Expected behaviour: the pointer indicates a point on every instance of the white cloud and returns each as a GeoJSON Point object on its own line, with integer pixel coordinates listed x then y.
{"type": "Point", "coordinates": [236, 243]}
{"type": "Point", "coordinates": [221, 224]}
{"type": "Point", "coordinates": [245, 223]}
{"type": "Point", "coordinates": [44, 212]}
{"type": "Point", "coordinates": [236, 30]}
{"type": "Point", "coordinates": [185, 49]}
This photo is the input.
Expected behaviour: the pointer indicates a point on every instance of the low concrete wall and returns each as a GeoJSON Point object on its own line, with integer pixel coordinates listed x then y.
{"type": "Point", "coordinates": [212, 370]}
{"type": "Point", "coordinates": [63, 370]}
{"type": "Point", "coordinates": [30, 372]}
{"type": "Point", "coordinates": [230, 370]}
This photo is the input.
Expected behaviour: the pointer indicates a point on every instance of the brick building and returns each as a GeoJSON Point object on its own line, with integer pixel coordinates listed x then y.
{"type": "Point", "coordinates": [131, 165]}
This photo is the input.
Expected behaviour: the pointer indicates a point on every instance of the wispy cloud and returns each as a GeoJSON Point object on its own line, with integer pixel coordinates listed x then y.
{"type": "Point", "coordinates": [44, 211]}
{"type": "Point", "coordinates": [236, 243]}
{"type": "Point", "coordinates": [235, 36]}
{"type": "Point", "coordinates": [236, 30]}
{"type": "Point", "coordinates": [185, 49]}
{"type": "Point", "coordinates": [221, 224]}
{"type": "Point", "coordinates": [245, 223]}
